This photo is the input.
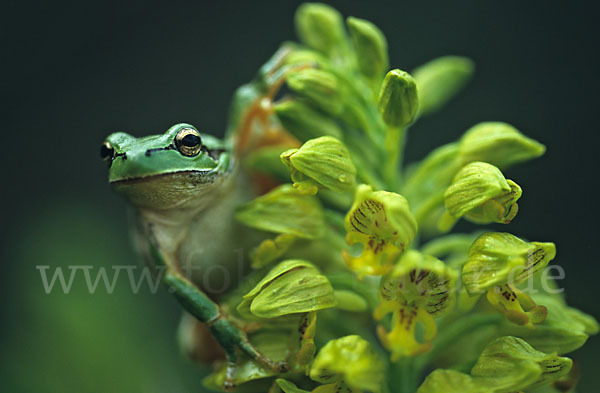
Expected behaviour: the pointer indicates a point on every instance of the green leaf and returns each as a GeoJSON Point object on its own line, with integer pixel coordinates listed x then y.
{"type": "Point", "coordinates": [321, 27]}
{"type": "Point", "coordinates": [284, 210]}
{"type": "Point", "coordinates": [350, 301]}
{"type": "Point", "coordinates": [441, 79]}
{"type": "Point", "coordinates": [499, 144]}
{"type": "Point", "coordinates": [304, 122]}
{"type": "Point", "coordinates": [370, 47]}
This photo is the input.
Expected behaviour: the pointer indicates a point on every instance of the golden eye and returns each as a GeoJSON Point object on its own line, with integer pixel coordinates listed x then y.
{"type": "Point", "coordinates": [107, 152]}
{"type": "Point", "coordinates": [188, 142]}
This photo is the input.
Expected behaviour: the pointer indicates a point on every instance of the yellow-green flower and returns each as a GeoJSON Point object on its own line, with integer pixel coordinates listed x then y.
{"type": "Point", "coordinates": [418, 289]}
{"type": "Point", "coordinates": [350, 360]}
{"type": "Point", "coordinates": [481, 194]}
{"type": "Point", "coordinates": [382, 222]}
{"type": "Point", "coordinates": [496, 262]}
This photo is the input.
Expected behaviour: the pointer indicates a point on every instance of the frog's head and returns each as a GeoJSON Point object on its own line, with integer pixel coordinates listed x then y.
{"type": "Point", "coordinates": [165, 171]}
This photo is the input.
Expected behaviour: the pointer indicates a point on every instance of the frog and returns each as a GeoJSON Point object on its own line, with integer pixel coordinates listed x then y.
{"type": "Point", "coordinates": [184, 186]}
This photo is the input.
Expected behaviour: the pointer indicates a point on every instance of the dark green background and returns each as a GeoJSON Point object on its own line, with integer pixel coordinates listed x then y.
{"type": "Point", "coordinates": [74, 72]}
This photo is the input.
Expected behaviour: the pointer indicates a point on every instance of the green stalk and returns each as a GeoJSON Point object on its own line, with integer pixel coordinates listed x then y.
{"type": "Point", "coordinates": [393, 146]}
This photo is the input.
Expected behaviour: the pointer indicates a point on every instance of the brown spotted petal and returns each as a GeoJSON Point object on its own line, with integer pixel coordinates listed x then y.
{"type": "Point", "coordinates": [382, 222]}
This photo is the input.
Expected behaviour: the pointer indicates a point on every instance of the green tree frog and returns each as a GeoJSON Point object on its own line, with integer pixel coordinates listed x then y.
{"type": "Point", "coordinates": [184, 187]}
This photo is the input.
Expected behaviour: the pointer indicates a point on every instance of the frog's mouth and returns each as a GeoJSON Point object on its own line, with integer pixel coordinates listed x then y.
{"type": "Point", "coordinates": [192, 174]}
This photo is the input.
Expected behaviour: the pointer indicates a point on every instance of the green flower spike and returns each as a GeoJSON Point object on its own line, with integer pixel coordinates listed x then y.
{"type": "Point", "coordinates": [440, 79]}
{"type": "Point", "coordinates": [509, 364]}
{"type": "Point", "coordinates": [496, 262]}
{"type": "Point", "coordinates": [284, 210]}
{"type": "Point", "coordinates": [398, 100]}
{"type": "Point", "coordinates": [291, 287]}
{"type": "Point", "coordinates": [418, 289]}
{"type": "Point", "coordinates": [499, 144]}
{"type": "Point", "coordinates": [324, 162]}
{"type": "Point", "coordinates": [481, 194]}
{"type": "Point", "coordinates": [348, 362]}
{"type": "Point", "coordinates": [382, 222]}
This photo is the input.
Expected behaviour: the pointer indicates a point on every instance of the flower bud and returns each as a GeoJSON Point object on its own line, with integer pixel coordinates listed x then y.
{"type": "Point", "coordinates": [481, 194]}
{"type": "Point", "coordinates": [321, 27]}
{"type": "Point", "coordinates": [510, 364]}
{"type": "Point", "coordinates": [370, 47]}
{"type": "Point", "coordinates": [499, 144]}
{"type": "Point", "coordinates": [307, 330]}
{"type": "Point", "coordinates": [324, 161]}
{"type": "Point", "coordinates": [440, 79]}
{"type": "Point", "coordinates": [398, 100]}
{"type": "Point", "coordinates": [382, 222]}
{"type": "Point", "coordinates": [284, 210]}
{"type": "Point", "coordinates": [350, 359]}
{"type": "Point", "coordinates": [271, 249]}
{"type": "Point", "coordinates": [304, 122]}
{"type": "Point", "coordinates": [291, 287]}
{"type": "Point", "coordinates": [496, 258]}
{"type": "Point", "coordinates": [320, 88]}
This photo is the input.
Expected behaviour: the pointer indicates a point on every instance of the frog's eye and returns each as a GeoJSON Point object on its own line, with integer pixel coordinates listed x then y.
{"type": "Point", "coordinates": [188, 142]}
{"type": "Point", "coordinates": [107, 152]}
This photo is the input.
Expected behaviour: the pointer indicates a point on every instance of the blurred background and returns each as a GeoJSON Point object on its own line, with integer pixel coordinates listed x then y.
{"type": "Point", "coordinates": [74, 72]}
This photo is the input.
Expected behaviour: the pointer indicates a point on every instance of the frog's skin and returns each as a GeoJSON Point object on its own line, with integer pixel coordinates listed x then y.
{"type": "Point", "coordinates": [184, 187]}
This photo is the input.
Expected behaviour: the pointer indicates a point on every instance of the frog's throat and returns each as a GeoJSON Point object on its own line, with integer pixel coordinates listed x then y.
{"type": "Point", "coordinates": [189, 190]}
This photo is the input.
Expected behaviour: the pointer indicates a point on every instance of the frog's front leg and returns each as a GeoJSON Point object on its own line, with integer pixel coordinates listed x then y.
{"type": "Point", "coordinates": [229, 335]}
